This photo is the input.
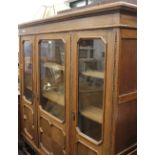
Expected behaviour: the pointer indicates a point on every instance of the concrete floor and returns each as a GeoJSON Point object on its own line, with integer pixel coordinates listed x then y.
{"type": "Point", "coordinates": [20, 152]}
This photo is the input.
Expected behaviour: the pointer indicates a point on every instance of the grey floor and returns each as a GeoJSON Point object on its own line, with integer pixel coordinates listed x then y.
{"type": "Point", "coordinates": [20, 152]}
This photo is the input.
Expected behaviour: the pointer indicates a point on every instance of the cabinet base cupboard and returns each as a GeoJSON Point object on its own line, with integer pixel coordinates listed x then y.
{"type": "Point", "coordinates": [78, 81]}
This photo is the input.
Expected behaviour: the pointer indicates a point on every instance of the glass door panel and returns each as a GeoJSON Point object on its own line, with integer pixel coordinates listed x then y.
{"type": "Point", "coordinates": [91, 84]}
{"type": "Point", "coordinates": [52, 77]}
{"type": "Point", "coordinates": [27, 70]}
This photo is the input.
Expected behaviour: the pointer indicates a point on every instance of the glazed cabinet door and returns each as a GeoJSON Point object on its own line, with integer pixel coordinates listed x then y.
{"type": "Point", "coordinates": [53, 93]}
{"type": "Point", "coordinates": [91, 102]}
{"type": "Point", "coordinates": [28, 87]}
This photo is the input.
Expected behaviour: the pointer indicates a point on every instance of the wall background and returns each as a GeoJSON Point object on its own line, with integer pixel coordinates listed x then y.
{"type": "Point", "coordinates": [12, 12]}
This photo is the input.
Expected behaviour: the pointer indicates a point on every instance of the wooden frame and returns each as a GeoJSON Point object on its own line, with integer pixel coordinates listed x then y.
{"type": "Point", "coordinates": [64, 125]}
{"type": "Point", "coordinates": [78, 36]}
{"type": "Point", "coordinates": [24, 102]}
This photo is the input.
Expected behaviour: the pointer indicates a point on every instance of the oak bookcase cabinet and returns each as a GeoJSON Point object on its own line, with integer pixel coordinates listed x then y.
{"type": "Point", "coordinates": [78, 81]}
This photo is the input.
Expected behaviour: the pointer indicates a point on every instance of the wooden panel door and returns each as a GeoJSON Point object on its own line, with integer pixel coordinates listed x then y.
{"type": "Point", "coordinates": [92, 92]}
{"type": "Point", "coordinates": [53, 93]}
{"type": "Point", "coordinates": [28, 88]}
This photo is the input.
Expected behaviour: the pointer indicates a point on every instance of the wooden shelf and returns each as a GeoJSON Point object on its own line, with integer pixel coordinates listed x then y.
{"type": "Point", "coordinates": [86, 48]}
{"type": "Point", "coordinates": [54, 66]}
{"type": "Point", "coordinates": [29, 87]}
{"type": "Point", "coordinates": [95, 74]}
{"type": "Point", "coordinates": [54, 97]}
{"type": "Point", "coordinates": [88, 59]}
{"type": "Point", "coordinates": [93, 113]}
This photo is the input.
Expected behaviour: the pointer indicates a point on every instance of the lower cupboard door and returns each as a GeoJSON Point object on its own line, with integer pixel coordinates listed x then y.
{"type": "Point", "coordinates": [52, 138]}
{"type": "Point", "coordinates": [28, 122]}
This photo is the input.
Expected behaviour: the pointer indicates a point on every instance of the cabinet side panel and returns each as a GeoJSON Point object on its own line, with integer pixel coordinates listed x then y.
{"type": "Point", "coordinates": [126, 133]}
{"type": "Point", "coordinates": [128, 66]}
{"type": "Point", "coordinates": [126, 128]}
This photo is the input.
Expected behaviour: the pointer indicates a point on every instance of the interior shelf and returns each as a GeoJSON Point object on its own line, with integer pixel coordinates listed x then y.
{"type": "Point", "coordinates": [54, 97]}
{"type": "Point", "coordinates": [95, 74]}
{"type": "Point", "coordinates": [93, 113]}
{"type": "Point", "coordinates": [53, 65]}
{"type": "Point", "coordinates": [86, 48]}
{"type": "Point", "coordinates": [29, 87]}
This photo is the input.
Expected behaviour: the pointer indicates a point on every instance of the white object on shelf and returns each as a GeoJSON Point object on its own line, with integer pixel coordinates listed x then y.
{"type": "Point", "coordinates": [53, 66]}
{"type": "Point", "coordinates": [95, 74]}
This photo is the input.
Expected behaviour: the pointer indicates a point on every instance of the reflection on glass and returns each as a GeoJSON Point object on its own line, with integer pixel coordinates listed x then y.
{"type": "Point", "coordinates": [28, 70]}
{"type": "Point", "coordinates": [91, 83]}
{"type": "Point", "coordinates": [52, 77]}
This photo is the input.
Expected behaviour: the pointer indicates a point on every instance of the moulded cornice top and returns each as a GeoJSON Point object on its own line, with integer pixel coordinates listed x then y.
{"type": "Point", "coordinates": [83, 12]}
